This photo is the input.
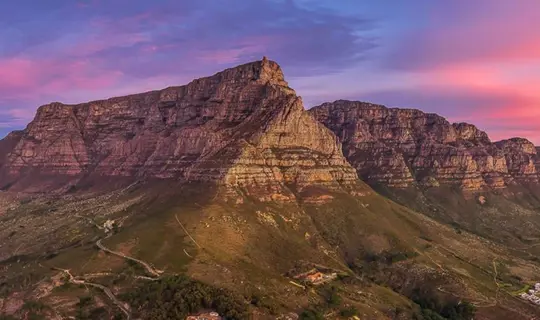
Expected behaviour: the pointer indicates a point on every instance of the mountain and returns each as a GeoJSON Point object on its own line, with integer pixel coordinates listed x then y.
{"type": "Point", "coordinates": [7, 144]}
{"type": "Point", "coordinates": [243, 127]}
{"type": "Point", "coordinates": [220, 193]}
{"type": "Point", "coordinates": [451, 172]}
{"type": "Point", "coordinates": [406, 147]}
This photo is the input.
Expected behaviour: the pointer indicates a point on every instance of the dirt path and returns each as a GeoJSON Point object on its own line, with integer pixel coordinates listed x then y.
{"type": "Point", "coordinates": [430, 258]}
{"type": "Point", "coordinates": [147, 266]}
{"type": "Point", "coordinates": [187, 233]}
{"type": "Point", "coordinates": [495, 275]}
{"type": "Point", "coordinates": [125, 308]}
{"type": "Point", "coordinates": [121, 305]}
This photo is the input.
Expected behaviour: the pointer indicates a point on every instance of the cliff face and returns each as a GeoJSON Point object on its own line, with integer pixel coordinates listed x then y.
{"type": "Point", "coordinates": [7, 144]}
{"type": "Point", "coordinates": [243, 127]}
{"type": "Point", "coordinates": [406, 147]}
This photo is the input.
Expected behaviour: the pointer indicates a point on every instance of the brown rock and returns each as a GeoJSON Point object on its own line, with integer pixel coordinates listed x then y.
{"type": "Point", "coordinates": [406, 147]}
{"type": "Point", "coordinates": [7, 144]}
{"type": "Point", "coordinates": [243, 127]}
{"type": "Point", "coordinates": [521, 159]}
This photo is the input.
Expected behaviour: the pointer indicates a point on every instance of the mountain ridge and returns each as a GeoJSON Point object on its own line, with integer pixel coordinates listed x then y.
{"type": "Point", "coordinates": [447, 148]}
{"type": "Point", "coordinates": [242, 127]}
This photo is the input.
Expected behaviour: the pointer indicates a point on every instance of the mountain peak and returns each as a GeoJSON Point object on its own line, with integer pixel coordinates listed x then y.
{"type": "Point", "coordinates": [264, 70]}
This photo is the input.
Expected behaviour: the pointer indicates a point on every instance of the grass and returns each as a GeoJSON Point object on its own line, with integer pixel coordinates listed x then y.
{"type": "Point", "coordinates": [241, 253]}
{"type": "Point", "coordinates": [522, 290]}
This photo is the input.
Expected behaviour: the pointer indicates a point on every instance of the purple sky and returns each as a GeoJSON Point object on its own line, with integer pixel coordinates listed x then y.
{"type": "Point", "coordinates": [475, 61]}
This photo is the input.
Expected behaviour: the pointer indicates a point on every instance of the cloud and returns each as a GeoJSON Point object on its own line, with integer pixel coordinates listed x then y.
{"type": "Point", "coordinates": [23, 79]}
{"type": "Point", "coordinates": [466, 32]}
{"type": "Point", "coordinates": [302, 40]}
{"type": "Point", "coordinates": [77, 51]}
{"type": "Point", "coordinates": [470, 60]}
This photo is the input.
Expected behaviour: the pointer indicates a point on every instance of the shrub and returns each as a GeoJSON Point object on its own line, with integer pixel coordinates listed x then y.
{"type": "Point", "coordinates": [348, 312]}
{"type": "Point", "coordinates": [84, 301]}
{"type": "Point", "coordinates": [175, 297]}
{"type": "Point", "coordinates": [332, 297]}
{"type": "Point", "coordinates": [310, 314]}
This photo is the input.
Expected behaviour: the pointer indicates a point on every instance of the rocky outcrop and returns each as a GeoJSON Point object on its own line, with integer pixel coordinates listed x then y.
{"type": "Point", "coordinates": [7, 144]}
{"type": "Point", "coordinates": [243, 127]}
{"type": "Point", "coordinates": [407, 147]}
{"type": "Point", "coordinates": [521, 159]}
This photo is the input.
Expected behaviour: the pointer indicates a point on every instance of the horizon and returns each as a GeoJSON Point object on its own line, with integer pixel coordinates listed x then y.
{"type": "Point", "coordinates": [390, 53]}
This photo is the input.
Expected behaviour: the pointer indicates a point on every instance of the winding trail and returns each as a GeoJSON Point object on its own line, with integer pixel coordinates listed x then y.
{"type": "Point", "coordinates": [124, 307]}
{"type": "Point", "coordinates": [151, 270]}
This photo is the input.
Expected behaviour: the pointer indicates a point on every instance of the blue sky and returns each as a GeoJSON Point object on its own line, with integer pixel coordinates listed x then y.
{"type": "Point", "coordinates": [475, 61]}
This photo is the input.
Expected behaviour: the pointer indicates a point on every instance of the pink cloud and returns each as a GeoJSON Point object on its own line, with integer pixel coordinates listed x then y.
{"type": "Point", "coordinates": [25, 78]}
{"type": "Point", "coordinates": [104, 41]}
{"type": "Point", "coordinates": [17, 117]}
{"type": "Point", "coordinates": [15, 73]}
{"type": "Point", "coordinates": [227, 56]}
{"type": "Point", "coordinates": [245, 46]}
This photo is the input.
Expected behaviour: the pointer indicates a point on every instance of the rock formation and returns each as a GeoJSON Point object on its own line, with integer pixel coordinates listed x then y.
{"type": "Point", "coordinates": [7, 144]}
{"type": "Point", "coordinates": [407, 147]}
{"type": "Point", "coordinates": [242, 127]}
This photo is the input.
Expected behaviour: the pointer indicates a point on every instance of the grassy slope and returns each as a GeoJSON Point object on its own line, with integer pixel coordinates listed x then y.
{"type": "Point", "coordinates": [250, 247]}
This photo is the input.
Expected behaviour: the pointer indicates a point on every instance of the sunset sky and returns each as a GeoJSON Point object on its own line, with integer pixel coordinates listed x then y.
{"type": "Point", "coordinates": [475, 61]}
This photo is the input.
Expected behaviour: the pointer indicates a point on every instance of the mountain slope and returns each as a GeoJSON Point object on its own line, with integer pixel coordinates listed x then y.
{"type": "Point", "coordinates": [451, 172]}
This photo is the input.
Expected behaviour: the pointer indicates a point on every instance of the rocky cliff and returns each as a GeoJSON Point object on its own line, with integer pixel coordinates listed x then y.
{"type": "Point", "coordinates": [407, 147]}
{"type": "Point", "coordinates": [7, 144]}
{"type": "Point", "coordinates": [242, 127]}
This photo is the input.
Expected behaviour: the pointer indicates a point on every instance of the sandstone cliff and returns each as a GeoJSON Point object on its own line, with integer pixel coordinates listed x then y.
{"type": "Point", "coordinates": [242, 127]}
{"type": "Point", "coordinates": [7, 144]}
{"type": "Point", "coordinates": [407, 147]}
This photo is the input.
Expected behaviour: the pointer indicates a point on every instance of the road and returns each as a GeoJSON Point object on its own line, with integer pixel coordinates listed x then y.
{"type": "Point", "coordinates": [146, 266]}
{"type": "Point", "coordinates": [123, 307]}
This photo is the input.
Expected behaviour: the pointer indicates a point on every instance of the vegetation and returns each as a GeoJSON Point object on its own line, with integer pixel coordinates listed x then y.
{"type": "Point", "coordinates": [348, 312]}
{"type": "Point", "coordinates": [311, 314]}
{"type": "Point", "coordinates": [34, 310]}
{"type": "Point", "coordinates": [332, 301]}
{"type": "Point", "coordinates": [84, 301]}
{"type": "Point", "coordinates": [436, 309]}
{"type": "Point", "coordinates": [175, 297]}
{"type": "Point", "coordinates": [389, 257]}
{"type": "Point", "coordinates": [264, 303]}
{"type": "Point", "coordinates": [332, 297]}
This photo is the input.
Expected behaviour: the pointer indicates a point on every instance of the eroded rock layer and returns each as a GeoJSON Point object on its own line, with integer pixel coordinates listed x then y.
{"type": "Point", "coordinates": [406, 147]}
{"type": "Point", "coordinates": [241, 127]}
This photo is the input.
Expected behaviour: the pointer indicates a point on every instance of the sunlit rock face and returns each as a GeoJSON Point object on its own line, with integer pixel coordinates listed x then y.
{"type": "Point", "coordinates": [406, 147]}
{"type": "Point", "coordinates": [242, 127]}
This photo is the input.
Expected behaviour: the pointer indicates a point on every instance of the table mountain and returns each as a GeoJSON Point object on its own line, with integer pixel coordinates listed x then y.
{"type": "Point", "coordinates": [241, 127]}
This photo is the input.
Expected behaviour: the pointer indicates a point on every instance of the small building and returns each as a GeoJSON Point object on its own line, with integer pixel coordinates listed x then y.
{"type": "Point", "coordinates": [108, 225]}
{"type": "Point", "coordinates": [315, 277]}
{"type": "Point", "coordinates": [205, 316]}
